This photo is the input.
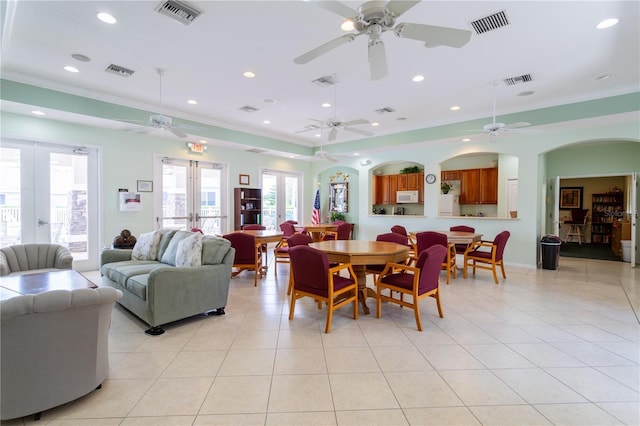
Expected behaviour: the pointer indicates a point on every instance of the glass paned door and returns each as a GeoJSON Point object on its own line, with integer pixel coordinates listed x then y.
{"type": "Point", "coordinates": [280, 198]}
{"type": "Point", "coordinates": [193, 196]}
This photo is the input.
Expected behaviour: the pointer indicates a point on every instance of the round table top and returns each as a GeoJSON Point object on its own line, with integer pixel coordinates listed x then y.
{"type": "Point", "coordinates": [359, 252]}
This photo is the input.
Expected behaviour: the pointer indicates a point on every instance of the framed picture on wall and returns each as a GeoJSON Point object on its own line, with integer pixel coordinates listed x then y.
{"type": "Point", "coordinates": [571, 197]}
{"type": "Point", "coordinates": [244, 179]}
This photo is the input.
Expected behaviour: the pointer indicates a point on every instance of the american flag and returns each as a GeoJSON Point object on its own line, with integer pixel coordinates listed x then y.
{"type": "Point", "coordinates": [315, 216]}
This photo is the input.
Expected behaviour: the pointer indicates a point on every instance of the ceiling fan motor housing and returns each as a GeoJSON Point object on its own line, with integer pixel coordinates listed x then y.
{"type": "Point", "coordinates": [373, 12]}
{"type": "Point", "coordinates": [160, 121]}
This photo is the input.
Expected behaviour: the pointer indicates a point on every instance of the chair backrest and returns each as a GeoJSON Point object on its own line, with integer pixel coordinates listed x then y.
{"type": "Point", "coordinates": [344, 231]}
{"type": "Point", "coordinates": [462, 228]}
{"type": "Point", "coordinates": [500, 242]}
{"type": "Point", "coordinates": [579, 215]}
{"type": "Point", "coordinates": [429, 263]}
{"type": "Point", "coordinates": [338, 222]}
{"type": "Point", "coordinates": [427, 239]}
{"type": "Point", "coordinates": [299, 240]}
{"type": "Point", "coordinates": [393, 237]}
{"type": "Point", "coordinates": [293, 222]}
{"type": "Point", "coordinates": [245, 246]}
{"type": "Point", "coordinates": [399, 229]}
{"type": "Point", "coordinates": [255, 227]}
{"type": "Point", "coordinates": [287, 228]}
{"type": "Point", "coordinates": [197, 230]}
{"type": "Point", "coordinates": [310, 267]}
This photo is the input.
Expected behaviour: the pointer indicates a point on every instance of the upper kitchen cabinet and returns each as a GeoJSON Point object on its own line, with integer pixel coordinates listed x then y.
{"type": "Point", "coordinates": [385, 188]}
{"type": "Point", "coordinates": [479, 186]}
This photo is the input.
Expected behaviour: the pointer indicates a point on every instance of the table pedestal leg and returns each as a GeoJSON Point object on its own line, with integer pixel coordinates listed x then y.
{"type": "Point", "coordinates": [363, 290]}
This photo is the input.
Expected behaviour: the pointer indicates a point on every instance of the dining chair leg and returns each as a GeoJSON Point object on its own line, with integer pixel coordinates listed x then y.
{"type": "Point", "coordinates": [416, 311]}
{"type": "Point", "coordinates": [437, 297]}
{"type": "Point", "coordinates": [504, 275]}
{"type": "Point", "coordinates": [327, 328]}
{"type": "Point", "coordinates": [293, 305]}
{"type": "Point", "coordinates": [290, 286]}
{"type": "Point", "coordinates": [495, 274]}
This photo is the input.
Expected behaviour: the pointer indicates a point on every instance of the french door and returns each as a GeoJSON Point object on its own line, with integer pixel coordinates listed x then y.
{"type": "Point", "coordinates": [280, 197]}
{"type": "Point", "coordinates": [49, 194]}
{"type": "Point", "coordinates": [193, 196]}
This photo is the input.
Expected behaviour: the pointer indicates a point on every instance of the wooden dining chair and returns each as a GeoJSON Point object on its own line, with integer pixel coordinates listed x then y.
{"type": "Point", "coordinates": [461, 248]}
{"type": "Point", "coordinates": [390, 237]}
{"type": "Point", "coordinates": [248, 254]}
{"type": "Point", "coordinates": [343, 232]}
{"type": "Point", "coordinates": [487, 255]}
{"type": "Point", "coordinates": [281, 250]}
{"type": "Point", "coordinates": [420, 281]}
{"type": "Point", "coordinates": [312, 277]}
{"type": "Point", "coordinates": [401, 230]}
{"type": "Point", "coordinates": [292, 241]}
{"type": "Point", "coordinates": [426, 239]}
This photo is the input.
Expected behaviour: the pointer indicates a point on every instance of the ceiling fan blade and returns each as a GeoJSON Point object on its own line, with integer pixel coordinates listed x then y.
{"type": "Point", "coordinates": [398, 7]}
{"type": "Point", "coordinates": [433, 35]}
{"type": "Point", "coordinates": [335, 7]}
{"type": "Point", "coordinates": [355, 122]}
{"type": "Point", "coordinates": [332, 159]}
{"type": "Point", "coordinates": [141, 130]}
{"type": "Point", "coordinates": [523, 131]}
{"type": "Point", "coordinates": [322, 49]}
{"type": "Point", "coordinates": [377, 59]}
{"type": "Point", "coordinates": [517, 125]}
{"type": "Point", "coordinates": [177, 132]}
{"type": "Point", "coordinates": [360, 132]}
{"type": "Point", "coordinates": [333, 133]}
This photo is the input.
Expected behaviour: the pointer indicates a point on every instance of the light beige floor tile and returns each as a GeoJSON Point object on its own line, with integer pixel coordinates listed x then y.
{"type": "Point", "coordinates": [421, 389]}
{"type": "Point", "coordinates": [173, 397]}
{"type": "Point", "coordinates": [400, 358]}
{"type": "Point", "coordinates": [592, 354]}
{"type": "Point", "coordinates": [319, 418]}
{"type": "Point", "coordinates": [429, 336]}
{"type": "Point", "coordinates": [231, 419]}
{"type": "Point", "coordinates": [372, 417]}
{"type": "Point", "coordinates": [498, 356]}
{"type": "Point", "coordinates": [159, 421]}
{"type": "Point", "coordinates": [509, 415]}
{"type": "Point", "coordinates": [536, 386]}
{"type": "Point", "coordinates": [577, 414]}
{"type": "Point", "coordinates": [300, 393]}
{"type": "Point", "coordinates": [351, 360]}
{"type": "Point", "coordinates": [255, 339]}
{"type": "Point", "coordinates": [248, 362]}
{"type": "Point", "coordinates": [298, 338]}
{"type": "Point", "coordinates": [627, 375]}
{"type": "Point", "coordinates": [545, 355]}
{"type": "Point", "coordinates": [507, 333]}
{"type": "Point", "coordinates": [125, 342]}
{"type": "Point", "coordinates": [211, 339]}
{"type": "Point", "coordinates": [237, 395]}
{"type": "Point", "coordinates": [594, 385]}
{"type": "Point", "coordinates": [195, 364]}
{"type": "Point", "coordinates": [300, 361]}
{"type": "Point", "coordinates": [343, 338]}
{"type": "Point", "coordinates": [361, 391]}
{"type": "Point", "coordinates": [480, 387]}
{"type": "Point", "coordinates": [83, 422]}
{"type": "Point", "coordinates": [441, 416]}
{"type": "Point", "coordinates": [626, 412]}
{"type": "Point", "coordinates": [450, 357]}
{"type": "Point", "coordinates": [141, 365]}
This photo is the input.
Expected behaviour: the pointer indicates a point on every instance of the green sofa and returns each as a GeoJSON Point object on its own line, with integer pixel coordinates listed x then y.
{"type": "Point", "coordinates": [158, 291]}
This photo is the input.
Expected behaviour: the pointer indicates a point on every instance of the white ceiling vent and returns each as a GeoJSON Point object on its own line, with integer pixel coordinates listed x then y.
{"type": "Point", "coordinates": [325, 81]}
{"type": "Point", "coordinates": [257, 150]}
{"type": "Point", "coordinates": [511, 81]}
{"type": "Point", "coordinates": [385, 110]}
{"type": "Point", "coordinates": [490, 23]}
{"type": "Point", "coordinates": [248, 108]}
{"type": "Point", "coordinates": [118, 70]}
{"type": "Point", "coordinates": [178, 11]}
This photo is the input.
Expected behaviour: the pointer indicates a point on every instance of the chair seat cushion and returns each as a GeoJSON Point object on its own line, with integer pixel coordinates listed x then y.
{"type": "Point", "coordinates": [338, 284]}
{"type": "Point", "coordinates": [121, 272]}
{"type": "Point", "coordinates": [480, 254]}
{"type": "Point", "coordinates": [400, 280]}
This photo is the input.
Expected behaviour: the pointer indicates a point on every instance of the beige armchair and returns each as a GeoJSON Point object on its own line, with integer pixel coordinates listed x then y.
{"type": "Point", "coordinates": [36, 257]}
{"type": "Point", "coordinates": [54, 348]}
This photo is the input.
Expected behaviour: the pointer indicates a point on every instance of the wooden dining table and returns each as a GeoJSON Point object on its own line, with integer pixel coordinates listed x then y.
{"type": "Point", "coordinates": [362, 253]}
{"type": "Point", "coordinates": [263, 236]}
{"type": "Point", "coordinates": [455, 237]}
{"type": "Point", "coordinates": [317, 230]}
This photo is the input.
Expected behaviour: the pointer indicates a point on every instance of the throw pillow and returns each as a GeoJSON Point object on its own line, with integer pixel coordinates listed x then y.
{"type": "Point", "coordinates": [169, 255]}
{"type": "Point", "coordinates": [190, 251]}
{"type": "Point", "coordinates": [146, 247]}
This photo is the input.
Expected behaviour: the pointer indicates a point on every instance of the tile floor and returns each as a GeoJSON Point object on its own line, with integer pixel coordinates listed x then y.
{"type": "Point", "coordinates": [543, 347]}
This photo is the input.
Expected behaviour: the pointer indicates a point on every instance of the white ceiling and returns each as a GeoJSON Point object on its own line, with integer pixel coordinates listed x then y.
{"type": "Point", "coordinates": [556, 42]}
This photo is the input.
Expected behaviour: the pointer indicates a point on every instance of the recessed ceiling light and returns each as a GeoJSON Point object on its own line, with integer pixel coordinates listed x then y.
{"type": "Point", "coordinates": [466, 140]}
{"type": "Point", "coordinates": [266, 122]}
{"type": "Point", "coordinates": [192, 102]}
{"type": "Point", "coordinates": [317, 135]}
{"type": "Point", "coordinates": [401, 118]}
{"type": "Point", "coordinates": [455, 108]}
{"type": "Point", "coordinates": [326, 105]}
{"type": "Point", "coordinates": [106, 18]}
{"type": "Point", "coordinates": [347, 25]}
{"type": "Point", "coordinates": [418, 78]}
{"type": "Point", "coordinates": [37, 113]}
{"type": "Point", "coordinates": [356, 153]}
{"type": "Point", "coordinates": [249, 74]}
{"type": "Point", "coordinates": [607, 23]}
{"type": "Point", "coordinates": [79, 57]}
{"type": "Point", "coordinates": [71, 69]}
{"type": "Point", "coordinates": [527, 93]}
{"type": "Point", "coordinates": [603, 77]}
{"type": "Point", "coordinates": [203, 141]}
{"type": "Point", "coordinates": [269, 101]}
{"type": "Point", "coordinates": [375, 124]}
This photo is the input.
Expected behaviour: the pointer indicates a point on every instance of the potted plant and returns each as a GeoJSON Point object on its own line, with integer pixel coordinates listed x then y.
{"type": "Point", "coordinates": [337, 216]}
{"type": "Point", "coordinates": [445, 187]}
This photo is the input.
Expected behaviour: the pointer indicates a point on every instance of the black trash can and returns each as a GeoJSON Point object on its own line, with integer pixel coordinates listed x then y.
{"type": "Point", "coordinates": [550, 251]}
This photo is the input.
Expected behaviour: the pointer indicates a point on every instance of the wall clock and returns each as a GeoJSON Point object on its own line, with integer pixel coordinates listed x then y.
{"type": "Point", "coordinates": [430, 178]}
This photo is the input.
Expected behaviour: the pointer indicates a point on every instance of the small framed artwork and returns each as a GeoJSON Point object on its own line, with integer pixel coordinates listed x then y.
{"type": "Point", "coordinates": [145, 186]}
{"type": "Point", "coordinates": [244, 179]}
{"type": "Point", "coordinates": [571, 197]}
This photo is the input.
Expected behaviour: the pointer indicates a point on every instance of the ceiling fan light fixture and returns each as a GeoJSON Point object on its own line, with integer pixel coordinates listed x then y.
{"type": "Point", "coordinates": [107, 18]}
{"type": "Point", "coordinates": [455, 108]}
{"type": "Point", "coordinates": [375, 124]}
{"type": "Point", "coordinates": [417, 78]}
{"type": "Point", "coordinates": [326, 105]}
{"type": "Point", "coordinates": [249, 74]}
{"type": "Point", "coordinates": [607, 23]}
{"type": "Point", "coordinates": [69, 68]}
{"type": "Point", "coordinates": [347, 25]}
{"type": "Point", "coordinates": [192, 102]}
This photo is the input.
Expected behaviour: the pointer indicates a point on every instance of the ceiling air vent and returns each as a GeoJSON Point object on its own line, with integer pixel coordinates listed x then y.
{"type": "Point", "coordinates": [178, 11]}
{"type": "Point", "coordinates": [385, 110]}
{"type": "Point", "coordinates": [511, 81]}
{"type": "Point", "coordinates": [248, 108]}
{"type": "Point", "coordinates": [490, 23]}
{"type": "Point", "coordinates": [118, 70]}
{"type": "Point", "coordinates": [257, 150]}
{"type": "Point", "coordinates": [327, 80]}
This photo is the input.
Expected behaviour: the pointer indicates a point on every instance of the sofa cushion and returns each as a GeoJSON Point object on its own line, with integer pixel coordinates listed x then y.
{"type": "Point", "coordinates": [189, 251]}
{"type": "Point", "coordinates": [120, 272]}
{"type": "Point", "coordinates": [169, 255]}
{"type": "Point", "coordinates": [146, 247]}
{"type": "Point", "coordinates": [165, 239]}
{"type": "Point", "coordinates": [214, 249]}
{"type": "Point", "coordinates": [138, 285]}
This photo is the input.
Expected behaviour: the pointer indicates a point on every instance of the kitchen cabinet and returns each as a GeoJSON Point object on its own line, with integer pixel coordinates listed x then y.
{"type": "Point", "coordinates": [479, 186]}
{"type": "Point", "coordinates": [409, 181]}
{"type": "Point", "coordinates": [450, 175]}
{"type": "Point", "coordinates": [385, 188]}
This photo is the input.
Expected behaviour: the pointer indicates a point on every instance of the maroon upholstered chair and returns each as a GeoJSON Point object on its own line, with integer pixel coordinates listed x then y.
{"type": "Point", "coordinates": [420, 281]}
{"type": "Point", "coordinates": [197, 230]}
{"type": "Point", "coordinates": [461, 248]}
{"type": "Point", "coordinates": [343, 231]}
{"type": "Point", "coordinates": [426, 239]}
{"type": "Point", "coordinates": [312, 277]}
{"type": "Point", "coordinates": [292, 241]}
{"type": "Point", "coordinates": [248, 254]}
{"type": "Point", "coordinates": [281, 250]}
{"type": "Point", "coordinates": [390, 237]}
{"type": "Point", "coordinates": [487, 255]}
{"type": "Point", "coordinates": [254, 226]}
{"type": "Point", "coordinates": [401, 230]}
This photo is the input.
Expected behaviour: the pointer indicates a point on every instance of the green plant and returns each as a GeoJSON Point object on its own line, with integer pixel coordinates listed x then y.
{"type": "Point", "coordinates": [411, 169]}
{"type": "Point", "coordinates": [337, 216]}
{"type": "Point", "coordinates": [445, 187]}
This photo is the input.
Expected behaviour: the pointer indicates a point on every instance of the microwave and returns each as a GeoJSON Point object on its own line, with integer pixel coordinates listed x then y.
{"type": "Point", "coordinates": [407, 197]}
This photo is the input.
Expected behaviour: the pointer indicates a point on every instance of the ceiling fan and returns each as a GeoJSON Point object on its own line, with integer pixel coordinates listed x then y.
{"type": "Point", "coordinates": [160, 121]}
{"type": "Point", "coordinates": [495, 129]}
{"type": "Point", "coordinates": [374, 18]}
